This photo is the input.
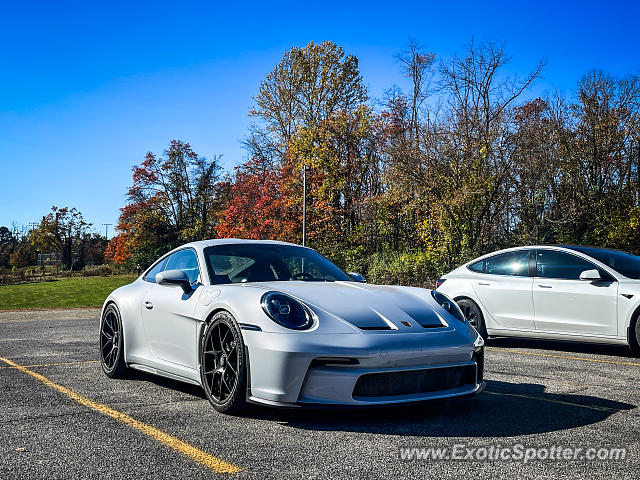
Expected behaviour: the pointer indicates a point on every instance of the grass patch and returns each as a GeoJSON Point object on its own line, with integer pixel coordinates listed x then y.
{"type": "Point", "coordinates": [61, 293]}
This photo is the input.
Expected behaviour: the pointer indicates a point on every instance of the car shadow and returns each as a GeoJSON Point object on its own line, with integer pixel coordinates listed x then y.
{"type": "Point", "coordinates": [186, 388]}
{"type": "Point", "coordinates": [562, 346]}
{"type": "Point", "coordinates": [503, 410]}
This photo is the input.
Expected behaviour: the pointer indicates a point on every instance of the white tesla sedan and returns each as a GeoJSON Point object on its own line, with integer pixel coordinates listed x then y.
{"type": "Point", "coordinates": [557, 292]}
{"type": "Point", "coordinates": [279, 324]}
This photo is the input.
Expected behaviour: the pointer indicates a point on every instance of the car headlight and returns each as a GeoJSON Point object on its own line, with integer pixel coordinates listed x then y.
{"type": "Point", "coordinates": [286, 311]}
{"type": "Point", "coordinates": [448, 304]}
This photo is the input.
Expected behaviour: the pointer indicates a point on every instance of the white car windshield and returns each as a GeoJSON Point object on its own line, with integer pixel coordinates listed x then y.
{"type": "Point", "coordinates": [250, 262]}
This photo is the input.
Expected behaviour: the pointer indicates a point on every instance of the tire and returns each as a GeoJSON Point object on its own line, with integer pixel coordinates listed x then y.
{"type": "Point", "coordinates": [223, 364]}
{"type": "Point", "coordinates": [634, 341]}
{"type": "Point", "coordinates": [473, 313]}
{"type": "Point", "coordinates": [112, 343]}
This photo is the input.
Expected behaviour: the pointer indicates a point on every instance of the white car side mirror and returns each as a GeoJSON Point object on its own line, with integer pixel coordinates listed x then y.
{"type": "Point", "coordinates": [590, 275]}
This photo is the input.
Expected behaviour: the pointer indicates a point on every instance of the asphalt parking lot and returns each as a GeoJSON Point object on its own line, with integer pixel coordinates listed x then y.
{"type": "Point", "coordinates": [63, 418]}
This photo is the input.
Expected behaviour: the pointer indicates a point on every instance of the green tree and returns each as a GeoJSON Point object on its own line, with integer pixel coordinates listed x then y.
{"type": "Point", "coordinates": [308, 86]}
{"type": "Point", "coordinates": [60, 231]}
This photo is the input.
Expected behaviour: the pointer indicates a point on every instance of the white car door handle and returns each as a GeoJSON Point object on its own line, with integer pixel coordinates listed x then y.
{"type": "Point", "coordinates": [148, 305]}
{"type": "Point", "coordinates": [545, 286]}
{"type": "Point", "coordinates": [485, 284]}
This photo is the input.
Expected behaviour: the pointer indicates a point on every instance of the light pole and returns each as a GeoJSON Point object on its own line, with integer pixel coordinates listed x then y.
{"type": "Point", "coordinates": [304, 205]}
{"type": "Point", "coordinates": [106, 226]}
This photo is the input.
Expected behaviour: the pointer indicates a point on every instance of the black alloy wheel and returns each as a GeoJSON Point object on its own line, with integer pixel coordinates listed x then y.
{"type": "Point", "coordinates": [112, 343]}
{"type": "Point", "coordinates": [222, 364]}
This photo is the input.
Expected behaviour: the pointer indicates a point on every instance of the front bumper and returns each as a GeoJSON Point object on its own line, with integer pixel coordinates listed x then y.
{"type": "Point", "coordinates": [297, 370]}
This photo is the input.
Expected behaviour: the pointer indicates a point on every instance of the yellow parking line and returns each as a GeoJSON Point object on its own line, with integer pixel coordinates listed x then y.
{"type": "Point", "coordinates": [562, 402]}
{"type": "Point", "coordinates": [595, 360]}
{"type": "Point", "coordinates": [54, 364]}
{"type": "Point", "coordinates": [190, 451]}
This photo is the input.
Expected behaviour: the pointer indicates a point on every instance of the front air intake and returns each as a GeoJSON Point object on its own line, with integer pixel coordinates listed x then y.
{"type": "Point", "coordinates": [411, 382]}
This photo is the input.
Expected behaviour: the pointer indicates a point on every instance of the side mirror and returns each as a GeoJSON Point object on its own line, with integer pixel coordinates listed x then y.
{"type": "Point", "coordinates": [357, 277]}
{"type": "Point", "coordinates": [590, 275]}
{"type": "Point", "coordinates": [174, 277]}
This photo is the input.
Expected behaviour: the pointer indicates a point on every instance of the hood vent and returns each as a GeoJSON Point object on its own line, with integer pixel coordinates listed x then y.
{"type": "Point", "coordinates": [424, 318]}
{"type": "Point", "coordinates": [433, 325]}
{"type": "Point", "coordinates": [377, 322]}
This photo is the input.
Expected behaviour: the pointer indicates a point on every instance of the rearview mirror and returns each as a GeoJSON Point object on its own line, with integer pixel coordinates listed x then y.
{"type": "Point", "coordinates": [590, 275]}
{"type": "Point", "coordinates": [357, 277]}
{"type": "Point", "coordinates": [174, 277]}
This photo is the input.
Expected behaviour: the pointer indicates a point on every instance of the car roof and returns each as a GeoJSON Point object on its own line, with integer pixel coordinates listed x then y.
{"type": "Point", "coordinates": [227, 241]}
{"type": "Point", "coordinates": [588, 248]}
{"type": "Point", "coordinates": [579, 250]}
{"type": "Point", "coordinates": [550, 246]}
{"type": "Point", "coordinates": [585, 249]}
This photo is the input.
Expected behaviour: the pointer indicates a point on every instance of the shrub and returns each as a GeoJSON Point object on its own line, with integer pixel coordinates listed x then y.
{"type": "Point", "coordinates": [418, 269]}
{"type": "Point", "coordinates": [413, 268]}
{"type": "Point", "coordinates": [96, 270]}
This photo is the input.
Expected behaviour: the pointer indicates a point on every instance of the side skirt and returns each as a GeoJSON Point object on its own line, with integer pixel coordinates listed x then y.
{"type": "Point", "coordinates": [568, 337]}
{"type": "Point", "coordinates": [162, 373]}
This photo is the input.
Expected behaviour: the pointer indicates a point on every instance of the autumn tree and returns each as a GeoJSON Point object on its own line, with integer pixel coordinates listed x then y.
{"type": "Point", "coordinates": [416, 64]}
{"type": "Point", "coordinates": [465, 165]}
{"type": "Point", "coordinates": [309, 85]}
{"type": "Point", "coordinates": [61, 231]}
{"type": "Point", "coordinates": [262, 204]}
{"type": "Point", "coordinates": [312, 90]}
{"type": "Point", "coordinates": [343, 161]}
{"type": "Point", "coordinates": [173, 200]}
{"type": "Point", "coordinates": [604, 154]}
{"type": "Point", "coordinates": [463, 162]}
{"type": "Point", "coordinates": [8, 242]}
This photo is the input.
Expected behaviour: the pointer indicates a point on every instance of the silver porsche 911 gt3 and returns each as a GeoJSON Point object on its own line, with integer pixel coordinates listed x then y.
{"type": "Point", "coordinates": [278, 324]}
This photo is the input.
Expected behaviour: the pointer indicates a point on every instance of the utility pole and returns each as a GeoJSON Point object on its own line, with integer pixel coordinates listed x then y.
{"type": "Point", "coordinates": [106, 226]}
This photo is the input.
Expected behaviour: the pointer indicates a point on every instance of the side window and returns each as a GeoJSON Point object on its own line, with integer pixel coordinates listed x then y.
{"type": "Point", "coordinates": [553, 264]}
{"type": "Point", "coordinates": [512, 263]}
{"type": "Point", "coordinates": [477, 267]}
{"type": "Point", "coordinates": [186, 261]}
{"type": "Point", "coordinates": [151, 274]}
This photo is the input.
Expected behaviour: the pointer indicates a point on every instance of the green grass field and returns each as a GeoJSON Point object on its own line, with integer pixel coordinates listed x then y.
{"type": "Point", "coordinates": [61, 293]}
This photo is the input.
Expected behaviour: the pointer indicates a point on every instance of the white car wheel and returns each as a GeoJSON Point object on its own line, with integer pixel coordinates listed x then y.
{"type": "Point", "coordinates": [474, 315]}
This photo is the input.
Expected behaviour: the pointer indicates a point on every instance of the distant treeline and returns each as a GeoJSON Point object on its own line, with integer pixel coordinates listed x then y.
{"type": "Point", "coordinates": [62, 231]}
{"type": "Point", "coordinates": [404, 188]}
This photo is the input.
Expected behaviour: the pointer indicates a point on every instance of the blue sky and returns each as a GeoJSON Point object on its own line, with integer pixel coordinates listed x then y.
{"type": "Point", "coordinates": [87, 88]}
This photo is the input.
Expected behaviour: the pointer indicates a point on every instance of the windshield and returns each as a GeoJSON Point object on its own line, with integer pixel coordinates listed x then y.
{"type": "Point", "coordinates": [622, 262]}
{"type": "Point", "coordinates": [254, 262]}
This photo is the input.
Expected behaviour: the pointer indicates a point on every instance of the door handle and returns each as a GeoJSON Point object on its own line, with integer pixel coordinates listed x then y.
{"type": "Point", "coordinates": [148, 305]}
{"type": "Point", "coordinates": [485, 284]}
{"type": "Point", "coordinates": [545, 286]}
